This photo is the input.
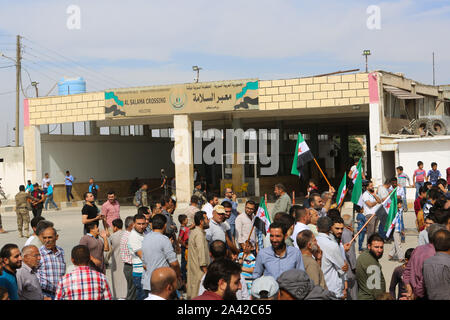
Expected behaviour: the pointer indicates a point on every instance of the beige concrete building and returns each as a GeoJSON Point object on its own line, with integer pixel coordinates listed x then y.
{"type": "Point", "coordinates": [121, 134]}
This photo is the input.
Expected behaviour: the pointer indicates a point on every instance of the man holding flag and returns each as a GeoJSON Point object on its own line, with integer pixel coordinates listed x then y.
{"type": "Point", "coordinates": [371, 203]}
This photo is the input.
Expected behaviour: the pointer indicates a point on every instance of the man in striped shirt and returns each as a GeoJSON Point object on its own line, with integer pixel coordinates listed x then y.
{"type": "Point", "coordinates": [52, 266]}
{"type": "Point", "coordinates": [83, 283]}
{"type": "Point", "coordinates": [126, 257]}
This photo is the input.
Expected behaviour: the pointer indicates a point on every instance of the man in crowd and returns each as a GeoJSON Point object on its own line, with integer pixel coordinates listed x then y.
{"type": "Point", "coordinates": [28, 284]}
{"type": "Point", "coordinates": [371, 204]}
{"type": "Point", "coordinates": [135, 240]}
{"type": "Point", "coordinates": [403, 182]}
{"type": "Point", "coordinates": [436, 269]}
{"type": "Point", "coordinates": [350, 257]}
{"type": "Point", "coordinates": [434, 174]}
{"type": "Point", "coordinates": [274, 260]}
{"type": "Point", "coordinates": [217, 228]}
{"type": "Point", "coordinates": [413, 274]}
{"type": "Point", "coordinates": [211, 201]}
{"type": "Point", "coordinates": [127, 258]}
{"type": "Point", "coordinates": [191, 210]}
{"type": "Point", "coordinates": [52, 266]}
{"type": "Point", "coordinates": [83, 283]}
{"type": "Point", "coordinates": [312, 256]}
{"type": "Point", "coordinates": [37, 206]}
{"type": "Point", "coordinates": [218, 251]}
{"type": "Point", "coordinates": [89, 212]}
{"type": "Point", "coordinates": [333, 265]}
{"type": "Point", "coordinates": [34, 237]}
{"type": "Point", "coordinates": [369, 275]}
{"type": "Point", "coordinates": [423, 235]}
{"type": "Point", "coordinates": [157, 251]}
{"type": "Point", "coordinates": [164, 284]}
{"type": "Point", "coordinates": [302, 218]}
{"type": "Point", "coordinates": [382, 193]}
{"type": "Point", "coordinates": [49, 196]}
{"type": "Point", "coordinates": [11, 259]}
{"type": "Point", "coordinates": [316, 202]}
{"type": "Point", "coordinates": [222, 281]}
{"type": "Point", "coordinates": [23, 217]}
{"type": "Point", "coordinates": [119, 283]}
{"type": "Point", "coordinates": [313, 224]}
{"type": "Point", "coordinates": [167, 208]}
{"type": "Point", "coordinates": [68, 181]}
{"type": "Point", "coordinates": [141, 198]}
{"type": "Point", "coordinates": [96, 246]}
{"type": "Point", "coordinates": [110, 211]}
{"type": "Point", "coordinates": [93, 188]}
{"type": "Point", "coordinates": [230, 197]}
{"type": "Point", "coordinates": [199, 193]}
{"type": "Point", "coordinates": [46, 180]}
{"type": "Point", "coordinates": [283, 203]}
{"type": "Point", "coordinates": [198, 254]}
{"type": "Point", "coordinates": [244, 224]}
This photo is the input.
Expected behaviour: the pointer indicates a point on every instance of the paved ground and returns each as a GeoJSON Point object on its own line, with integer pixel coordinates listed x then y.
{"type": "Point", "coordinates": [68, 224]}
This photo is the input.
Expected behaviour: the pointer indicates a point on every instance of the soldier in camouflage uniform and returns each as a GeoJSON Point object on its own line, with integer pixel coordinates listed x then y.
{"type": "Point", "coordinates": [199, 193]}
{"type": "Point", "coordinates": [23, 217]}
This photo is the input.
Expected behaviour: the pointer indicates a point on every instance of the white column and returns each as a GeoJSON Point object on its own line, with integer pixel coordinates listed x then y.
{"type": "Point", "coordinates": [32, 154]}
{"type": "Point", "coordinates": [375, 86]}
{"type": "Point", "coordinates": [183, 159]}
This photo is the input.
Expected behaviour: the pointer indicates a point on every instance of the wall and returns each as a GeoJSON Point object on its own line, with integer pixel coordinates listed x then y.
{"type": "Point", "coordinates": [105, 158]}
{"type": "Point", "coordinates": [11, 170]}
{"type": "Point", "coordinates": [427, 150]}
{"type": "Point", "coordinates": [312, 92]}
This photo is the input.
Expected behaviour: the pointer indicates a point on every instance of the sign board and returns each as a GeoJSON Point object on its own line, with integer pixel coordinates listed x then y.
{"type": "Point", "coordinates": [182, 99]}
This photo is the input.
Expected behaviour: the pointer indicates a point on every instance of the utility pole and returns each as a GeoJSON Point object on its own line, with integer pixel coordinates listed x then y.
{"type": "Point", "coordinates": [434, 82]}
{"type": "Point", "coordinates": [18, 71]}
{"type": "Point", "coordinates": [366, 53]}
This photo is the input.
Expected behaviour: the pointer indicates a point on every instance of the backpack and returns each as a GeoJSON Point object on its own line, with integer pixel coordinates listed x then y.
{"type": "Point", "coordinates": [94, 190]}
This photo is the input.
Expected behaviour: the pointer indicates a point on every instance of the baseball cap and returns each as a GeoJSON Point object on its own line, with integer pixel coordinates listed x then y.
{"type": "Point", "coordinates": [264, 283]}
{"type": "Point", "coordinates": [219, 209]}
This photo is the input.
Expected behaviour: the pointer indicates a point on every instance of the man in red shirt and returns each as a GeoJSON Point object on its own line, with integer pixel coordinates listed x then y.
{"type": "Point", "coordinates": [222, 281]}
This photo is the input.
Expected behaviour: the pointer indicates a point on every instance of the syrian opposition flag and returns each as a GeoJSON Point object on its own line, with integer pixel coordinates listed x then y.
{"type": "Point", "coordinates": [342, 190]}
{"type": "Point", "coordinates": [355, 173]}
{"type": "Point", "coordinates": [262, 218]}
{"type": "Point", "coordinates": [390, 205]}
{"type": "Point", "coordinates": [357, 186]}
{"type": "Point", "coordinates": [302, 155]}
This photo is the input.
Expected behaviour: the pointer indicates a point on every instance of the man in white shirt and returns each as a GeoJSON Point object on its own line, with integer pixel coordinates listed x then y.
{"type": "Point", "coordinates": [163, 284]}
{"type": "Point", "coordinates": [334, 267]}
{"type": "Point", "coordinates": [302, 218]}
{"type": "Point", "coordinates": [211, 201]}
{"type": "Point", "coordinates": [371, 204]}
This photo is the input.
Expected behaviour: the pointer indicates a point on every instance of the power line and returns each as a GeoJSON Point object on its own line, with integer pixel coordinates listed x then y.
{"type": "Point", "coordinates": [106, 77]}
{"type": "Point", "coordinates": [9, 92]}
{"type": "Point", "coordinates": [13, 65]}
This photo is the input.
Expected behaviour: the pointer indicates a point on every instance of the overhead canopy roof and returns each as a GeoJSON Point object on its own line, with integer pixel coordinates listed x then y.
{"type": "Point", "coordinates": [402, 94]}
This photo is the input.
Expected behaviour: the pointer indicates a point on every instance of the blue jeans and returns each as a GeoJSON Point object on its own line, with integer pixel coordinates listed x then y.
{"type": "Point", "coordinates": [381, 231]}
{"type": "Point", "coordinates": [404, 201]}
{"type": "Point", "coordinates": [50, 199]}
{"type": "Point", "coordinates": [69, 193]}
{"type": "Point", "coordinates": [361, 221]}
{"type": "Point", "coordinates": [418, 186]}
{"type": "Point", "coordinates": [140, 294]}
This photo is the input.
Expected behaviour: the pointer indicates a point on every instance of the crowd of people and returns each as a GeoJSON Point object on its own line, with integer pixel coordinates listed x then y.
{"type": "Point", "coordinates": [308, 252]}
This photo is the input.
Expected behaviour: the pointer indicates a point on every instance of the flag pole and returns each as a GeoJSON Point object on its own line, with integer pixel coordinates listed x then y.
{"type": "Point", "coordinates": [293, 198]}
{"type": "Point", "coordinates": [322, 172]}
{"type": "Point", "coordinates": [365, 225]}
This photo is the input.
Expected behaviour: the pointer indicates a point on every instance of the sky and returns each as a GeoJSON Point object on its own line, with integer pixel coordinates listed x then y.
{"type": "Point", "coordinates": [142, 43]}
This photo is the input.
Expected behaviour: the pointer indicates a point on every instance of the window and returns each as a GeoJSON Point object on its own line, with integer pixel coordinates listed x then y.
{"type": "Point", "coordinates": [114, 130]}
{"type": "Point", "coordinates": [78, 129]}
{"type": "Point", "coordinates": [124, 130]}
{"type": "Point", "coordinates": [44, 128]}
{"type": "Point", "coordinates": [156, 133]}
{"type": "Point", "coordinates": [104, 131]}
{"type": "Point", "coordinates": [54, 128]}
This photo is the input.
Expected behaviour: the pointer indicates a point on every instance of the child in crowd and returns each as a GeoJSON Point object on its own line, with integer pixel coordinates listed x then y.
{"type": "Point", "coordinates": [434, 174]}
{"type": "Point", "coordinates": [397, 277]}
{"type": "Point", "coordinates": [183, 238]}
{"type": "Point", "coordinates": [398, 231]}
{"type": "Point", "coordinates": [419, 177]}
{"type": "Point", "coordinates": [311, 187]}
{"type": "Point", "coordinates": [403, 181]}
{"type": "Point", "coordinates": [248, 261]}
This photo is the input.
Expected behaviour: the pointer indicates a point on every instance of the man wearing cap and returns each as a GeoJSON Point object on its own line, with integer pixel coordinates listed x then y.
{"type": "Point", "coordinates": [217, 229]}
{"type": "Point", "coordinates": [296, 285]}
{"type": "Point", "coordinates": [265, 288]}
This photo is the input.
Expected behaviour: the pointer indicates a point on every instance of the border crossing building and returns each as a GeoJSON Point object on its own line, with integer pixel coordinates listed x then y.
{"type": "Point", "coordinates": [121, 134]}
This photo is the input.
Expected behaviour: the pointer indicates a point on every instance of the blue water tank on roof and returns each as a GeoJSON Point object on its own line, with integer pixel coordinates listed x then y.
{"type": "Point", "coordinates": [71, 86]}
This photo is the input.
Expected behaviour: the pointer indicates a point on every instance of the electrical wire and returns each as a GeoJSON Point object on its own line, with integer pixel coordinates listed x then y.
{"type": "Point", "coordinates": [105, 77]}
{"type": "Point", "coordinates": [5, 93]}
